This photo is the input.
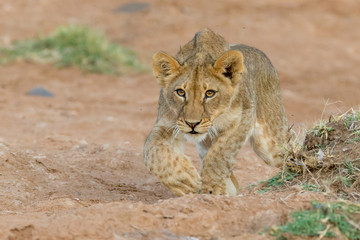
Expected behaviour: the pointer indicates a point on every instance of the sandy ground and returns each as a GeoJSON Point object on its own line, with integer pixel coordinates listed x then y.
{"type": "Point", "coordinates": [71, 166]}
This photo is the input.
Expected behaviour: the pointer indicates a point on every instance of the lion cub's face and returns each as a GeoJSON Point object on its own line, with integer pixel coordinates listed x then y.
{"type": "Point", "coordinates": [198, 93]}
{"type": "Point", "coordinates": [197, 97]}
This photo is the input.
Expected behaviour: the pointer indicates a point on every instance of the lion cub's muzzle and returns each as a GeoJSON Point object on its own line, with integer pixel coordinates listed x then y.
{"type": "Point", "coordinates": [194, 127]}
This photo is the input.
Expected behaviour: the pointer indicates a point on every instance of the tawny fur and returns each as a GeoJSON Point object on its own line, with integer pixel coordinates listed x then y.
{"type": "Point", "coordinates": [246, 104]}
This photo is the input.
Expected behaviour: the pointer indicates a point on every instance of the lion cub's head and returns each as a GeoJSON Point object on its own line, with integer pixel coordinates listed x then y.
{"type": "Point", "coordinates": [198, 84]}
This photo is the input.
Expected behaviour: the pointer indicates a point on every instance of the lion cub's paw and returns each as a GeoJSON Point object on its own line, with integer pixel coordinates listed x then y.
{"type": "Point", "coordinates": [214, 189]}
{"type": "Point", "coordinates": [183, 182]}
{"type": "Point", "coordinates": [225, 186]}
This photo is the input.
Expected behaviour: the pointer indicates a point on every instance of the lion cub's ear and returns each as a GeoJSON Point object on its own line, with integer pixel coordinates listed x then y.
{"type": "Point", "coordinates": [164, 65]}
{"type": "Point", "coordinates": [230, 65]}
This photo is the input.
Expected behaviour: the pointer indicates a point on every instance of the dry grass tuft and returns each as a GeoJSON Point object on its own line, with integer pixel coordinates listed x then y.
{"type": "Point", "coordinates": [329, 158]}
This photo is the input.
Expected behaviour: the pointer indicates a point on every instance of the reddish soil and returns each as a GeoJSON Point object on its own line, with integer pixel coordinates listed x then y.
{"type": "Point", "coordinates": [71, 166]}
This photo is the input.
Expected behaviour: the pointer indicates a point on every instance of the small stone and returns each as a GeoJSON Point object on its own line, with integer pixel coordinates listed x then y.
{"type": "Point", "coordinates": [40, 91]}
{"type": "Point", "coordinates": [113, 163]}
{"type": "Point", "coordinates": [3, 146]}
{"type": "Point", "coordinates": [110, 119]}
{"type": "Point", "coordinates": [83, 143]}
{"type": "Point", "coordinates": [104, 146]}
{"type": "Point", "coordinates": [4, 156]}
{"type": "Point", "coordinates": [345, 149]}
{"type": "Point", "coordinates": [320, 154]}
{"type": "Point", "coordinates": [76, 147]}
{"type": "Point", "coordinates": [132, 7]}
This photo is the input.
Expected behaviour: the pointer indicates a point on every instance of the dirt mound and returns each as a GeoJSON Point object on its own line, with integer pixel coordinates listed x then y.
{"type": "Point", "coordinates": [329, 159]}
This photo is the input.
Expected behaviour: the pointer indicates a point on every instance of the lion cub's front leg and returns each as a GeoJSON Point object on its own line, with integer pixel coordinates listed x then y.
{"type": "Point", "coordinates": [226, 186]}
{"type": "Point", "coordinates": [165, 158]}
{"type": "Point", "coordinates": [217, 171]}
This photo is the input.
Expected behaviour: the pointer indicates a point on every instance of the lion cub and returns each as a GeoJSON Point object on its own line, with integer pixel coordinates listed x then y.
{"type": "Point", "coordinates": [218, 97]}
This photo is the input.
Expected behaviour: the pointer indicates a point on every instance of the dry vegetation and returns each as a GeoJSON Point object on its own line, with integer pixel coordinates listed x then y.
{"type": "Point", "coordinates": [329, 159]}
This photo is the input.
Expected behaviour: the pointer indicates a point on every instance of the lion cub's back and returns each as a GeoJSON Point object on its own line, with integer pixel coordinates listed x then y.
{"type": "Point", "coordinates": [255, 60]}
{"type": "Point", "coordinates": [262, 80]}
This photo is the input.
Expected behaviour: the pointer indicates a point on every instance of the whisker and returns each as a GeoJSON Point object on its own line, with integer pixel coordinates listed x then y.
{"type": "Point", "coordinates": [211, 135]}
{"type": "Point", "coordinates": [169, 128]}
{"type": "Point", "coordinates": [175, 132]}
{"type": "Point", "coordinates": [214, 130]}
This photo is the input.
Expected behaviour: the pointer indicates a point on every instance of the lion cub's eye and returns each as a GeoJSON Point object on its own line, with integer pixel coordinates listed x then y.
{"type": "Point", "coordinates": [209, 93]}
{"type": "Point", "coordinates": [180, 92]}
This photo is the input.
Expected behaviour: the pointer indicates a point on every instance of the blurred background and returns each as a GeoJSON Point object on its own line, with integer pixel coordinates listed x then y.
{"type": "Point", "coordinates": [314, 45]}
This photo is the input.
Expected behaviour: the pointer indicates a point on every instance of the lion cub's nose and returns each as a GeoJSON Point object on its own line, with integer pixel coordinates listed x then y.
{"type": "Point", "coordinates": [192, 124]}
